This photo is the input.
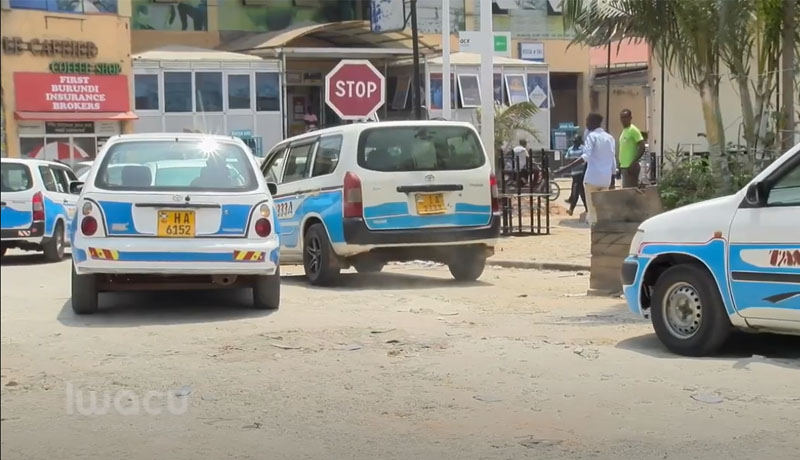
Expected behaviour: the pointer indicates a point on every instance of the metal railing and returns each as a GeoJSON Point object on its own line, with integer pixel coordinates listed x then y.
{"type": "Point", "coordinates": [524, 188]}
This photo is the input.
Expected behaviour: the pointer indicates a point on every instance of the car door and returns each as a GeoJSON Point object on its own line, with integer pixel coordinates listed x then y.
{"type": "Point", "coordinates": [293, 189]}
{"type": "Point", "coordinates": [764, 248]}
{"type": "Point", "coordinates": [63, 178]}
{"type": "Point", "coordinates": [56, 200]}
{"type": "Point", "coordinates": [16, 206]}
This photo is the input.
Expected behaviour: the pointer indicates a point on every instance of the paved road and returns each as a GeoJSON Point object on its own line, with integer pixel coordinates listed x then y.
{"type": "Point", "coordinates": [400, 365]}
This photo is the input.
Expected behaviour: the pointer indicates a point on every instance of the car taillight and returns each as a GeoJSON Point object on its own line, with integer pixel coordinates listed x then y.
{"type": "Point", "coordinates": [263, 227]}
{"type": "Point", "coordinates": [353, 206]}
{"type": "Point", "coordinates": [89, 226]}
{"type": "Point", "coordinates": [495, 195]}
{"type": "Point", "coordinates": [38, 206]}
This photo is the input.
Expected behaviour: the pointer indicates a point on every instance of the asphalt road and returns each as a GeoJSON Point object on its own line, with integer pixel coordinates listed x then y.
{"type": "Point", "coordinates": [405, 364]}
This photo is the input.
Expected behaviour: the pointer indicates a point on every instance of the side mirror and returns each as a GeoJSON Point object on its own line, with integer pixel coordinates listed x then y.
{"type": "Point", "coordinates": [75, 187]}
{"type": "Point", "coordinates": [755, 195]}
{"type": "Point", "coordinates": [273, 188]}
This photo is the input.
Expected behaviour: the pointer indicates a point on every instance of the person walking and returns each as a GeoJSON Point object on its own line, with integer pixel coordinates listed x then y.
{"type": "Point", "coordinates": [631, 150]}
{"type": "Point", "coordinates": [598, 154]}
{"type": "Point", "coordinates": [577, 191]}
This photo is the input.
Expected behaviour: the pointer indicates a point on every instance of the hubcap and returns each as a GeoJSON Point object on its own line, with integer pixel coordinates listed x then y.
{"type": "Point", "coordinates": [683, 311]}
{"type": "Point", "coordinates": [313, 255]}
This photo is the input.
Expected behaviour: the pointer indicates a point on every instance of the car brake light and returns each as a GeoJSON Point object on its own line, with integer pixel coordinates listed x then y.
{"type": "Point", "coordinates": [263, 227]}
{"type": "Point", "coordinates": [495, 196]}
{"type": "Point", "coordinates": [353, 206]}
{"type": "Point", "coordinates": [38, 206]}
{"type": "Point", "coordinates": [89, 226]}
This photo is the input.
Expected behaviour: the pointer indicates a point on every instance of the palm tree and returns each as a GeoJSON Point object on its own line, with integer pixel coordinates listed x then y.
{"type": "Point", "coordinates": [685, 37]}
{"type": "Point", "coordinates": [508, 120]}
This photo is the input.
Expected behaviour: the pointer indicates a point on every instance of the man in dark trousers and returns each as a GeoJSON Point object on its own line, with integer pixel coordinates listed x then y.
{"type": "Point", "coordinates": [631, 150]}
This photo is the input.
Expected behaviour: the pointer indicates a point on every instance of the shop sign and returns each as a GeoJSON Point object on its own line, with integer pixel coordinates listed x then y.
{"type": "Point", "coordinates": [100, 68]}
{"type": "Point", "coordinates": [532, 52]}
{"type": "Point", "coordinates": [470, 42]}
{"type": "Point", "coordinates": [43, 92]}
{"type": "Point", "coordinates": [69, 127]}
{"type": "Point", "coordinates": [50, 48]}
{"type": "Point", "coordinates": [106, 127]}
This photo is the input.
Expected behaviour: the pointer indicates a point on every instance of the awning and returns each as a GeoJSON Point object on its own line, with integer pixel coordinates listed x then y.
{"type": "Point", "coordinates": [75, 116]}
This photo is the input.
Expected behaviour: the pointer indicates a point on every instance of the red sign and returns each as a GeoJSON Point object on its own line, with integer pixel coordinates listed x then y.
{"type": "Point", "coordinates": [46, 92]}
{"type": "Point", "coordinates": [354, 89]}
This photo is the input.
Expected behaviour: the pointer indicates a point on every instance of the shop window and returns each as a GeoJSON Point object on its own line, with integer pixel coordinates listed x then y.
{"type": "Point", "coordinates": [208, 86]}
{"type": "Point", "coordinates": [267, 92]}
{"type": "Point", "coordinates": [177, 91]}
{"type": "Point", "coordinates": [31, 146]}
{"type": "Point", "coordinates": [145, 92]}
{"type": "Point", "coordinates": [238, 92]}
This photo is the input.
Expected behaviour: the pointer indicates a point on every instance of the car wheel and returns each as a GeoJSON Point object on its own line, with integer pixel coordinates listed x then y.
{"type": "Point", "coordinates": [267, 291]}
{"type": "Point", "coordinates": [54, 247]}
{"type": "Point", "coordinates": [84, 293]}
{"type": "Point", "coordinates": [467, 265]}
{"type": "Point", "coordinates": [319, 260]}
{"type": "Point", "coordinates": [687, 311]}
{"type": "Point", "coordinates": [368, 265]}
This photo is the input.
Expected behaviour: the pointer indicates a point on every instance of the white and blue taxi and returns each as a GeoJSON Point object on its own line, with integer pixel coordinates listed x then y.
{"type": "Point", "coordinates": [702, 270]}
{"type": "Point", "coordinates": [174, 211]}
{"type": "Point", "coordinates": [37, 207]}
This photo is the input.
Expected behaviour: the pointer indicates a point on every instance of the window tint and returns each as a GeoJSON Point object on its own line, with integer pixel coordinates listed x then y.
{"type": "Point", "coordinates": [786, 191]}
{"type": "Point", "coordinates": [146, 92]}
{"type": "Point", "coordinates": [272, 170]}
{"type": "Point", "coordinates": [47, 178]}
{"type": "Point", "coordinates": [209, 91]}
{"type": "Point", "coordinates": [327, 155]}
{"type": "Point", "coordinates": [267, 92]}
{"type": "Point", "coordinates": [15, 177]}
{"type": "Point", "coordinates": [238, 91]}
{"type": "Point", "coordinates": [420, 148]}
{"type": "Point", "coordinates": [297, 163]}
{"type": "Point", "coordinates": [62, 182]}
{"type": "Point", "coordinates": [177, 91]}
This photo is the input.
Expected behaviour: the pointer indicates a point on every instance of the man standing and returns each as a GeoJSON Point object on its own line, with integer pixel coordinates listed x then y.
{"type": "Point", "coordinates": [631, 150]}
{"type": "Point", "coordinates": [598, 154]}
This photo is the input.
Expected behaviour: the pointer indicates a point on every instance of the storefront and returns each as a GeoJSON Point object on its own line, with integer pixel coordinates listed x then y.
{"type": "Point", "coordinates": [65, 83]}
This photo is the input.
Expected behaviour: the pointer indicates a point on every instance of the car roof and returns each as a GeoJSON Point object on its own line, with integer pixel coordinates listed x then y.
{"type": "Point", "coordinates": [358, 127]}
{"type": "Point", "coordinates": [34, 161]}
{"type": "Point", "coordinates": [174, 136]}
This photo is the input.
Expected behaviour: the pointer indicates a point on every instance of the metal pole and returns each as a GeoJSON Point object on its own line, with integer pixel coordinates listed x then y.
{"type": "Point", "coordinates": [661, 131]}
{"type": "Point", "coordinates": [446, 110]}
{"type": "Point", "coordinates": [608, 89]}
{"type": "Point", "coordinates": [415, 39]}
{"type": "Point", "coordinates": [487, 79]}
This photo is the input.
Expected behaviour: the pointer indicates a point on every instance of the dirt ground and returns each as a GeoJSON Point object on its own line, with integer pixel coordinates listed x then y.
{"type": "Point", "coordinates": [405, 364]}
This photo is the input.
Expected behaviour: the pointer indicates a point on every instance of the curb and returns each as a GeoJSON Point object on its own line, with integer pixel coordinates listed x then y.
{"type": "Point", "coordinates": [538, 265]}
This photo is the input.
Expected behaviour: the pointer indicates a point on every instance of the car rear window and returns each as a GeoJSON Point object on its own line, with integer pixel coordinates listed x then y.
{"type": "Point", "coordinates": [16, 177]}
{"type": "Point", "coordinates": [176, 166]}
{"type": "Point", "coordinates": [420, 148]}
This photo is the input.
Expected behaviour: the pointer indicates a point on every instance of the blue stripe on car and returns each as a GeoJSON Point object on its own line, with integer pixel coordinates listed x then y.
{"type": "Point", "coordinates": [13, 218]}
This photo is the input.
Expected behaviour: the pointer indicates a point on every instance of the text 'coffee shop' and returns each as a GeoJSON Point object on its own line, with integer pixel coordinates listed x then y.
{"type": "Point", "coordinates": [64, 98]}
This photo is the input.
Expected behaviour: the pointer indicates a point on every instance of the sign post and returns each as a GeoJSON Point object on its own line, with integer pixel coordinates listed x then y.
{"type": "Point", "coordinates": [354, 89]}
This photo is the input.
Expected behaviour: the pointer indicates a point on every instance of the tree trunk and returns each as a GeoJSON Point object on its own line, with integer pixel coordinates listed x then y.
{"type": "Point", "coordinates": [715, 134]}
{"type": "Point", "coordinates": [787, 135]}
{"type": "Point", "coordinates": [748, 114]}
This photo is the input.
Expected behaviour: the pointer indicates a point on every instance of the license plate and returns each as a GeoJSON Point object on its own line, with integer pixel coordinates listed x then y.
{"type": "Point", "coordinates": [430, 203]}
{"type": "Point", "coordinates": [176, 224]}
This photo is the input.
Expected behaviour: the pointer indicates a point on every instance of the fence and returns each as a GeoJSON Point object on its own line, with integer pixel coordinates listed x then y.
{"type": "Point", "coordinates": [524, 186]}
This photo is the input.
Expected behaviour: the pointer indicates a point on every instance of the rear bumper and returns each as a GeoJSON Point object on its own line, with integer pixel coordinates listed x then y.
{"type": "Point", "coordinates": [356, 232]}
{"type": "Point", "coordinates": [32, 234]}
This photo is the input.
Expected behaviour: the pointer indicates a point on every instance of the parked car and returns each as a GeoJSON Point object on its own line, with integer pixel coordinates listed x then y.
{"type": "Point", "coordinates": [365, 194]}
{"type": "Point", "coordinates": [37, 206]}
{"type": "Point", "coordinates": [705, 269]}
{"type": "Point", "coordinates": [82, 168]}
{"type": "Point", "coordinates": [175, 211]}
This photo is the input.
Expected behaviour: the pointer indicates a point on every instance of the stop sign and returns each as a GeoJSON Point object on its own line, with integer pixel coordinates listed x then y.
{"type": "Point", "coordinates": [354, 89]}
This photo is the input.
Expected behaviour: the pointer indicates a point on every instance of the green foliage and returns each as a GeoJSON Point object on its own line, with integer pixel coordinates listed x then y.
{"type": "Point", "coordinates": [510, 119]}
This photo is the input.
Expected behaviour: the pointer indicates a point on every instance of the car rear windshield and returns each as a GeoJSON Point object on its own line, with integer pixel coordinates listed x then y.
{"type": "Point", "coordinates": [420, 148]}
{"type": "Point", "coordinates": [16, 177]}
{"type": "Point", "coordinates": [176, 166]}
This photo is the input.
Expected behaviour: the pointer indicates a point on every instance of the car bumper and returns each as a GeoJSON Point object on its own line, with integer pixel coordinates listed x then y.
{"type": "Point", "coordinates": [357, 233]}
{"type": "Point", "coordinates": [176, 257]}
{"type": "Point", "coordinates": [632, 273]}
{"type": "Point", "coordinates": [32, 234]}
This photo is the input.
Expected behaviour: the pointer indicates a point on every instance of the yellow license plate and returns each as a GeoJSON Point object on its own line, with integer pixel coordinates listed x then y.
{"type": "Point", "coordinates": [430, 204]}
{"type": "Point", "coordinates": [176, 224]}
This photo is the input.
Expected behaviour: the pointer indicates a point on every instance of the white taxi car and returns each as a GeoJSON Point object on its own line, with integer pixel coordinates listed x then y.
{"type": "Point", "coordinates": [174, 211]}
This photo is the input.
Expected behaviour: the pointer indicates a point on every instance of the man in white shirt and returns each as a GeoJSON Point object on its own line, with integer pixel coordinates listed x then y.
{"type": "Point", "coordinates": [598, 154]}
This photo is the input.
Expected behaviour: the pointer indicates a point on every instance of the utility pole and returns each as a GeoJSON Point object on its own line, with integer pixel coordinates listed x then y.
{"type": "Point", "coordinates": [417, 99]}
{"type": "Point", "coordinates": [446, 111]}
{"type": "Point", "coordinates": [787, 62]}
{"type": "Point", "coordinates": [608, 89]}
{"type": "Point", "coordinates": [487, 80]}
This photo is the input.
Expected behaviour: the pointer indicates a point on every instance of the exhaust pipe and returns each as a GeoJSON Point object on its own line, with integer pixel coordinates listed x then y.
{"type": "Point", "coordinates": [223, 280]}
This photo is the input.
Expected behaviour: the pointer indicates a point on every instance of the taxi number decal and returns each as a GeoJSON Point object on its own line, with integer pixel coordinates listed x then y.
{"type": "Point", "coordinates": [284, 209]}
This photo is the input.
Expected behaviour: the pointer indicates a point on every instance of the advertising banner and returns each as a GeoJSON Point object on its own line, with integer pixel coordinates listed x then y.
{"type": "Point", "coordinates": [45, 92]}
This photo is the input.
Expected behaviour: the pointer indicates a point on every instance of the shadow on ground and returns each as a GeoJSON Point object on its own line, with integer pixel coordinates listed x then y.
{"type": "Point", "coordinates": [742, 349]}
{"type": "Point", "coordinates": [381, 281]}
{"type": "Point", "coordinates": [137, 308]}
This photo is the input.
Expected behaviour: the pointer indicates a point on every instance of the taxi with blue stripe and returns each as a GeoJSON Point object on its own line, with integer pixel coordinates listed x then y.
{"type": "Point", "coordinates": [174, 211]}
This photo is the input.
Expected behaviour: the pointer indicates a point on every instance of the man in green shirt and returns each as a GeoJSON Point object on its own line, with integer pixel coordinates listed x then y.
{"type": "Point", "coordinates": [631, 149]}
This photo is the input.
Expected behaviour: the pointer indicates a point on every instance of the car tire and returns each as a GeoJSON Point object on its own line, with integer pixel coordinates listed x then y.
{"type": "Point", "coordinates": [267, 291]}
{"type": "Point", "coordinates": [467, 265]}
{"type": "Point", "coordinates": [319, 260]}
{"type": "Point", "coordinates": [54, 246]}
{"type": "Point", "coordinates": [84, 293]}
{"type": "Point", "coordinates": [368, 265]}
{"type": "Point", "coordinates": [687, 311]}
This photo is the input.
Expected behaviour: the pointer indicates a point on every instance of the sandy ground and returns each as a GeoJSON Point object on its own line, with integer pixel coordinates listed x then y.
{"type": "Point", "coordinates": [400, 365]}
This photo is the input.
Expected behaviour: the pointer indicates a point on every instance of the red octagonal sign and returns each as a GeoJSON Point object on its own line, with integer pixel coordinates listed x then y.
{"type": "Point", "coordinates": [354, 89]}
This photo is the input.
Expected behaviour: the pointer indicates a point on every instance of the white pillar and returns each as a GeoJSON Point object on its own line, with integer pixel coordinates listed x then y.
{"type": "Point", "coordinates": [487, 79]}
{"type": "Point", "coordinates": [446, 111]}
